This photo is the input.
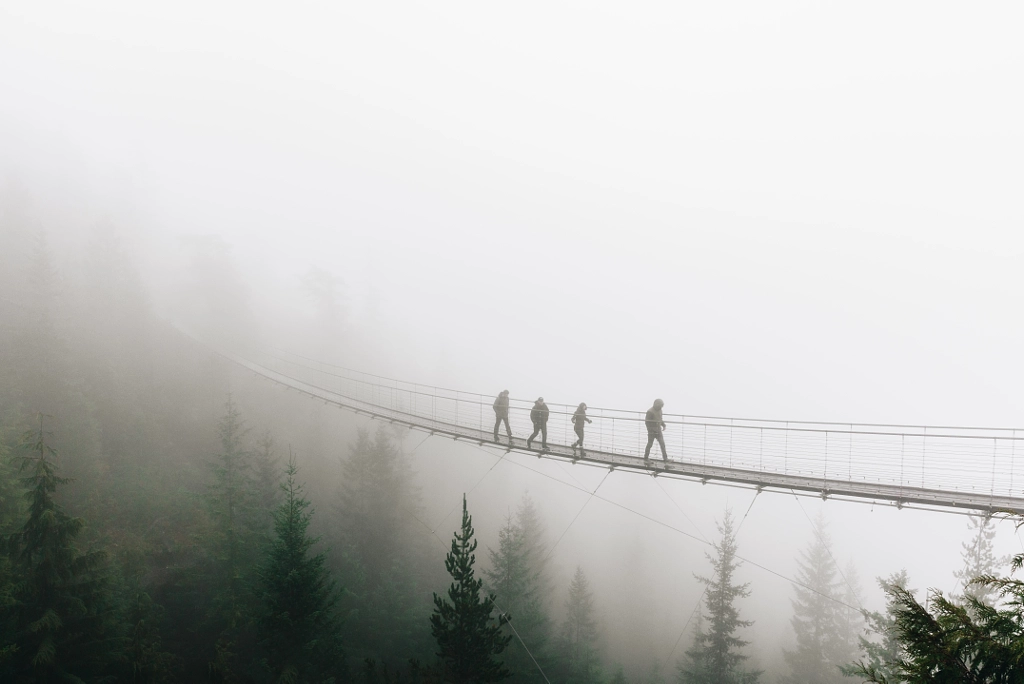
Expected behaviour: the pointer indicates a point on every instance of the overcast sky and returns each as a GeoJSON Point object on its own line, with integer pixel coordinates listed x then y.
{"type": "Point", "coordinates": [797, 210]}
{"type": "Point", "coordinates": [784, 209]}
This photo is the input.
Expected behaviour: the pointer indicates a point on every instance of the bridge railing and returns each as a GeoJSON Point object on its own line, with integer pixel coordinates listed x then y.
{"type": "Point", "coordinates": [965, 459]}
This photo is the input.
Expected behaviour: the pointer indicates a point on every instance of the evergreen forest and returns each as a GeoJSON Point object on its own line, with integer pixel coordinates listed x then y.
{"type": "Point", "coordinates": [166, 517]}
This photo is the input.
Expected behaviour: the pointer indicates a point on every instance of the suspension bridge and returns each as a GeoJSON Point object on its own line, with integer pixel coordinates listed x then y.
{"type": "Point", "coordinates": [944, 468]}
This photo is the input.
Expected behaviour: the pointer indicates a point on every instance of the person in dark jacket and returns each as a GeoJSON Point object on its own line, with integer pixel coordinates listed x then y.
{"type": "Point", "coordinates": [501, 415]}
{"type": "Point", "coordinates": [539, 417]}
{"type": "Point", "coordinates": [578, 419]}
{"type": "Point", "coordinates": [655, 427]}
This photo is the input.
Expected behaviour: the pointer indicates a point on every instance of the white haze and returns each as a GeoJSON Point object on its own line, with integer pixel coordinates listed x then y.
{"type": "Point", "coordinates": [788, 210]}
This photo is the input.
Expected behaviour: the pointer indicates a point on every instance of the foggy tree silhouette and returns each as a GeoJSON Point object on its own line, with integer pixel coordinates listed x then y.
{"type": "Point", "coordinates": [64, 619]}
{"type": "Point", "coordinates": [943, 642]}
{"type": "Point", "coordinates": [579, 633]}
{"type": "Point", "coordinates": [820, 646]}
{"type": "Point", "coordinates": [382, 553]}
{"type": "Point", "coordinates": [298, 599]}
{"type": "Point", "coordinates": [514, 583]}
{"type": "Point", "coordinates": [715, 657]}
{"type": "Point", "coordinates": [882, 650]}
{"type": "Point", "coordinates": [232, 508]}
{"type": "Point", "coordinates": [467, 639]}
{"type": "Point", "coordinates": [979, 559]}
{"type": "Point", "coordinates": [233, 542]}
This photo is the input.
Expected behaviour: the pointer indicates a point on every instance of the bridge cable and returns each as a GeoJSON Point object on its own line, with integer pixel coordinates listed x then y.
{"type": "Point", "coordinates": [315, 387]}
{"type": "Point", "coordinates": [594, 494]}
{"type": "Point", "coordinates": [382, 417]}
{"type": "Point", "coordinates": [679, 508]}
{"type": "Point", "coordinates": [482, 478]}
{"type": "Point", "coordinates": [551, 551]}
{"type": "Point", "coordinates": [677, 530]}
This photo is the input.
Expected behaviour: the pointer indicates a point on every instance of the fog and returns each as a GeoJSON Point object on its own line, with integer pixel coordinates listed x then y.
{"type": "Point", "coordinates": [787, 211]}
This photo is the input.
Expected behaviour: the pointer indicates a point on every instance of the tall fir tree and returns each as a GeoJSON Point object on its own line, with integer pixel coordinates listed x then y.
{"type": "Point", "coordinates": [514, 584]}
{"type": "Point", "coordinates": [65, 619]}
{"type": "Point", "coordinates": [145, 659]}
{"type": "Point", "coordinates": [820, 646]}
{"type": "Point", "coordinates": [581, 663]}
{"type": "Point", "coordinates": [943, 642]}
{"type": "Point", "coordinates": [382, 553]}
{"type": "Point", "coordinates": [978, 554]}
{"type": "Point", "coordinates": [851, 617]}
{"type": "Point", "coordinates": [715, 657]}
{"type": "Point", "coordinates": [298, 621]}
{"type": "Point", "coordinates": [266, 480]}
{"type": "Point", "coordinates": [235, 541]}
{"type": "Point", "coordinates": [536, 547]}
{"type": "Point", "coordinates": [880, 643]}
{"type": "Point", "coordinates": [469, 640]}
{"type": "Point", "coordinates": [11, 496]}
{"type": "Point", "coordinates": [535, 616]}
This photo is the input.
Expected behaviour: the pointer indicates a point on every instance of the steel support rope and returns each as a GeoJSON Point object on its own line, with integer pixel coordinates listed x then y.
{"type": "Point", "coordinates": [786, 455]}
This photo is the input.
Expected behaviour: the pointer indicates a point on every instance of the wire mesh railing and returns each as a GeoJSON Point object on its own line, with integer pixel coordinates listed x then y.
{"type": "Point", "coordinates": [979, 461]}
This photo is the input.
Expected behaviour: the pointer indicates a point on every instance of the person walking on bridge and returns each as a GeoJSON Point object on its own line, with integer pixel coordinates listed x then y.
{"type": "Point", "coordinates": [539, 417]}
{"type": "Point", "coordinates": [578, 419]}
{"type": "Point", "coordinates": [501, 415]}
{"type": "Point", "coordinates": [655, 428]}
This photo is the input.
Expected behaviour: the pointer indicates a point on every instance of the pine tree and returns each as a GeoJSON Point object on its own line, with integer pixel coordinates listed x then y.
{"type": "Point", "coordinates": [298, 599]}
{"type": "Point", "coordinates": [535, 545]}
{"type": "Point", "coordinates": [467, 641]}
{"type": "Point", "coordinates": [11, 493]}
{"type": "Point", "coordinates": [851, 618]}
{"type": "Point", "coordinates": [382, 553]}
{"type": "Point", "coordinates": [880, 645]}
{"type": "Point", "coordinates": [534, 618]}
{"type": "Point", "coordinates": [579, 633]}
{"type": "Point", "coordinates": [145, 661]}
{"type": "Point", "coordinates": [233, 509]}
{"type": "Point", "coordinates": [979, 559]}
{"type": "Point", "coordinates": [10, 515]}
{"type": "Point", "coordinates": [820, 648]}
{"type": "Point", "coordinates": [65, 622]}
{"type": "Point", "coordinates": [235, 542]}
{"type": "Point", "coordinates": [267, 479]}
{"type": "Point", "coordinates": [515, 587]}
{"type": "Point", "coordinates": [715, 657]}
{"type": "Point", "coordinates": [942, 642]}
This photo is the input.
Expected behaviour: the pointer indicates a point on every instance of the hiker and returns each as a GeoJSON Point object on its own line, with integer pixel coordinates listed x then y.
{"type": "Point", "coordinates": [501, 415]}
{"type": "Point", "coordinates": [539, 417]}
{"type": "Point", "coordinates": [655, 427]}
{"type": "Point", "coordinates": [578, 419]}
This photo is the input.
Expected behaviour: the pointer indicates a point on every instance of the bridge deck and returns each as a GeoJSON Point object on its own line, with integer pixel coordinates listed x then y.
{"type": "Point", "coordinates": [457, 426]}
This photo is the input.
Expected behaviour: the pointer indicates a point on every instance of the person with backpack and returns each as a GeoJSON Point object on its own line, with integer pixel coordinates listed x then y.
{"type": "Point", "coordinates": [501, 415]}
{"type": "Point", "coordinates": [655, 429]}
{"type": "Point", "coordinates": [539, 417]}
{"type": "Point", "coordinates": [578, 419]}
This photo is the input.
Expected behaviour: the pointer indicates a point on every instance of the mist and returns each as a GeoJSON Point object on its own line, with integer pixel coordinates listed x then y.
{"type": "Point", "coordinates": [788, 212]}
